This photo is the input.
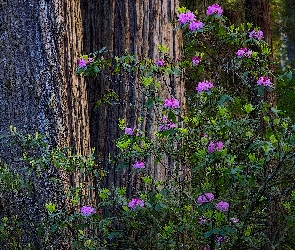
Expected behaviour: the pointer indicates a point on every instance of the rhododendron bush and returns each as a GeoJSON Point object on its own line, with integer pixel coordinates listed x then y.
{"type": "Point", "coordinates": [230, 168]}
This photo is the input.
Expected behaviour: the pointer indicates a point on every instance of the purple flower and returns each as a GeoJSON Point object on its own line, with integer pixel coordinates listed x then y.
{"type": "Point", "coordinates": [206, 197]}
{"type": "Point", "coordinates": [82, 63]}
{"type": "Point", "coordinates": [219, 239]}
{"type": "Point", "coordinates": [219, 145]}
{"type": "Point", "coordinates": [183, 18]}
{"type": "Point", "coordinates": [202, 220]}
{"type": "Point", "coordinates": [214, 9]}
{"type": "Point", "coordinates": [90, 59]}
{"type": "Point", "coordinates": [160, 63]}
{"type": "Point", "coordinates": [129, 131]}
{"type": "Point", "coordinates": [196, 60]}
{"type": "Point", "coordinates": [234, 220]}
{"type": "Point", "coordinates": [244, 52]}
{"type": "Point", "coordinates": [87, 211]}
{"type": "Point", "coordinates": [195, 25]}
{"type": "Point", "coordinates": [222, 206]}
{"type": "Point", "coordinates": [139, 164]}
{"type": "Point", "coordinates": [171, 103]}
{"type": "Point", "coordinates": [204, 86]}
{"type": "Point", "coordinates": [265, 81]}
{"type": "Point", "coordinates": [167, 126]}
{"type": "Point", "coordinates": [136, 202]}
{"type": "Point", "coordinates": [256, 34]}
{"type": "Point", "coordinates": [211, 147]}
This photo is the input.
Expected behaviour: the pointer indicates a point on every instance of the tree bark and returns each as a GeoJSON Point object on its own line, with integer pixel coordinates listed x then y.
{"type": "Point", "coordinates": [40, 41]}
{"type": "Point", "coordinates": [138, 27]}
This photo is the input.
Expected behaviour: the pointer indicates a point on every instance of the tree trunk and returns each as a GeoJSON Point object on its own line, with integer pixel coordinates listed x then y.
{"type": "Point", "coordinates": [40, 41]}
{"type": "Point", "coordinates": [138, 27]}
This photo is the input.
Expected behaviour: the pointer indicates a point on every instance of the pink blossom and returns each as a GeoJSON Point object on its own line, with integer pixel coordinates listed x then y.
{"type": "Point", "coordinates": [183, 18]}
{"type": "Point", "coordinates": [234, 220]}
{"type": "Point", "coordinates": [82, 63]}
{"type": "Point", "coordinates": [139, 164]}
{"type": "Point", "coordinates": [160, 63]}
{"type": "Point", "coordinates": [196, 60]}
{"type": "Point", "coordinates": [256, 34]}
{"type": "Point", "coordinates": [129, 131]}
{"type": "Point", "coordinates": [244, 52]}
{"type": "Point", "coordinates": [195, 25]}
{"type": "Point", "coordinates": [171, 103]}
{"type": "Point", "coordinates": [167, 126]}
{"type": "Point", "coordinates": [206, 197]}
{"type": "Point", "coordinates": [214, 9]}
{"type": "Point", "coordinates": [202, 220]}
{"type": "Point", "coordinates": [136, 202]}
{"type": "Point", "coordinates": [265, 81]}
{"type": "Point", "coordinates": [222, 206]}
{"type": "Point", "coordinates": [87, 211]}
{"type": "Point", "coordinates": [204, 86]}
{"type": "Point", "coordinates": [219, 145]}
{"type": "Point", "coordinates": [211, 147]}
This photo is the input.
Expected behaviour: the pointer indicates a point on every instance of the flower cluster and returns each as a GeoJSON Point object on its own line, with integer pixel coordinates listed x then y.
{"type": "Point", "coordinates": [196, 60]}
{"type": "Point", "coordinates": [212, 147]}
{"type": "Point", "coordinates": [206, 197]}
{"type": "Point", "coordinates": [195, 25]}
{"type": "Point", "coordinates": [139, 164]}
{"type": "Point", "coordinates": [166, 124]}
{"type": "Point", "coordinates": [82, 62]}
{"type": "Point", "coordinates": [244, 52]}
{"type": "Point", "coordinates": [136, 202]}
{"type": "Point", "coordinates": [222, 206]}
{"type": "Point", "coordinates": [160, 63]}
{"type": "Point", "coordinates": [129, 131]}
{"type": "Point", "coordinates": [186, 17]}
{"type": "Point", "coordinates": [204, 86]}
{"type": "Point", "coordinates": [171, 103]}
{"type": "Point", "coordinates": [87, 211]}
{"type": "Point", "coordinates": [264, 81]}
{"type": "Point", "coordinates": [214, 9]}
{"type": "Point", "coordinates": [256, 34]}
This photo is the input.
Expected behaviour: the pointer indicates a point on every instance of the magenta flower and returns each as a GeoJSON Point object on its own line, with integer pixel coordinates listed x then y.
{"type": "Point", "coordinates": [129, 131]}
{"type": "Point", "coordinates": [87, 211]}
{"type": "Point", "coordinates": [244, 52]}
{"type": "Point", "coordinates": [256, 34]}
{"type": "Point", "coordinates": [202, 220]}
{"type": "Point", "coordinates": [82, 63]}
{"type": "Point", "coordinates": [139, 164]}
{"type": "Point", "coordinates": [90, 60]}
{"type": "Point", "coordinates": [222, 206]}
{"type": "Point", "coordinates": [195, 25]}
{"type": "Point", "coordinates": [196, 60]}
{"type": "Point", "coordinates": [171, 103]}
{"type": "Point", "coordinates": [219, 145]}
{"type": "Point", "coordinates": [160, 63]}
{"type": "Point", "coordinates": [206, 197]}
{"type": "Point", "coordinates": [136, 202]}
{"type": "Point", "coordinates": [183, 18]}
{"type": "Point", "coordinates": [234, 220]}
{"type": "Point", "coordinates": [265, 81]}
{"type": "Point", "coordinates": [214, 9]}
{"type": "Point", "coordinates": [167, 126]}
{"type": "Point", "coordinates": [219, 239]}
{"type": "Point", "coordinates": [204, 86]}
{"type": "Point", "coordinates": [211, 147]}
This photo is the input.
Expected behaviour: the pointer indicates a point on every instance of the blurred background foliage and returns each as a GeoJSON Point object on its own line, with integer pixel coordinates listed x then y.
{"type": "Point", "coordinates": [280, 14]}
